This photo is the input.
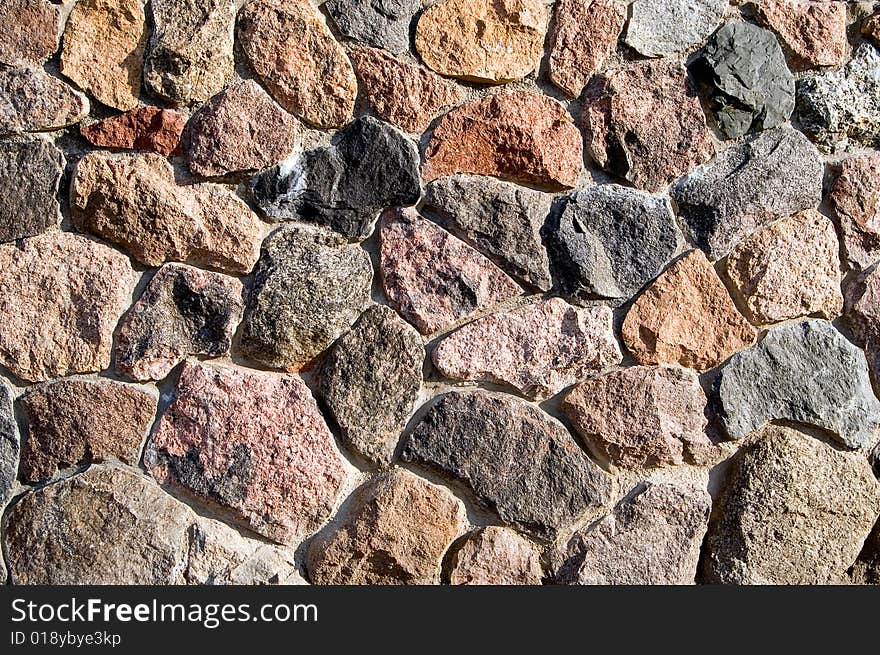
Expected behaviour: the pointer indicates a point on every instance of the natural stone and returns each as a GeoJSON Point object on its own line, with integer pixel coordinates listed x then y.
{"type": "Point", "coordinates": [538, 349]}
{"type": "Point", "coordinates": [183, 311]}
{"type": "Point", "coordinates": [431, 278]}
{"type": "Point", "coordinates": [813, 32]}
{"type": "Point", "coordinates": [344, 186]}
{"type": "Point", "coordinates": [133, 200]}
{"type": "Point", "coordinates": [31, 100]}
{"type": "Point", "coordinates": [805, 372]}
{"type": "Point", "coordinates": [774, 175]}
{"type": "Point", "coordinates": [396, 532]}
{"type": "Point", "coordinates": [66, 286]}
{"type": "Point", "coordinates": [379, 23]}
{"type": "Point", "coordinates": [370, 381]}
{"type": "Point", "coordinates": [658, 28]}
{"type": "Point", "coordinates": [686, 317]}
{"type": "Point", "coordinates": [540, 481]}
{"type": "Point", "coordinates": [9, 445]}
{"type": "Point", "coordinates": [863, 314]}
{"type": "Point", "coordinates": [871, 27]}
{"type": "Point", "coordinates": [642, 416]}
{"type": "Point", "coordinates": [146, 128]}
{"type": "Point", "coordinates": [292, 51]}
{"type": "Point", "coordinates": [309, 287]}
{"type": "Point", "coordinates": [855, 195]}
{"type": "Point", "coordinates": [31, 33]}
{"type": "Point", "coordinates": [795, 511]}
{"type": "Point", "coordinates": [519, 136]}
{"type": "Point", "coordinates": [495, 556]}
{"type": "Point", "coordinates": [30, 173]}
{"type": "Point", "coordinates": [867, 568]}
{"type": "Point", "coordinates": [253, 444]}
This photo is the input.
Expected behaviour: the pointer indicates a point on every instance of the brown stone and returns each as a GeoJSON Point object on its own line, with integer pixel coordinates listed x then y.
{"type": "Point", "coordinates": [871, 27]}
{"type": "Point", "coordinates": [146, 128]}
{"type": "Point", "coordinates": [813, 32]}
{"type": "Point", "coordinates": [31, 100]}
{"type": "Point", "coordinates": [856, 199]}
{"type": "Point", "coordinates": [30, 31]}
{"type": "Point", "coordinates": [495, 556]}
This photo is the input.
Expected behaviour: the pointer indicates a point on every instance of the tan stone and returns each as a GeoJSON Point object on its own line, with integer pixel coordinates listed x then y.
{"type": "Point", "coordinates": [813, 32]}
{"type": "Point", "coordinates": [496, 556]}
{"type": "Point", "coordinates": [30, 31]}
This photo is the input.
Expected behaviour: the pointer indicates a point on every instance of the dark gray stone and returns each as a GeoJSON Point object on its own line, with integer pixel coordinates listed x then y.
{"type": "Point", "coordinates": [379, 23]}
{"type": "Point", "coordinates": [30, 172]}
{"type": "Point", "coordinates": [9, 444]}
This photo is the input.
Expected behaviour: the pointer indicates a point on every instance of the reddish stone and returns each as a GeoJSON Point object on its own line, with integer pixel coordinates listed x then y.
{"type": "Point", "coordinates": [146, 128]}
{"type": "Point", "coordinates": [30, 31]}
{"type": "Point", "coordinates": [813, 32]}
{"type": "Point", "coordinates": [856, 198]}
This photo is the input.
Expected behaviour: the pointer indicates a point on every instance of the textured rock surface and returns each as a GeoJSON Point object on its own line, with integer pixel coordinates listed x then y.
{"type": "Point", "coordinates": [134, 201]}
{"type": "Point", "coordinates": [9, 446]}
{"type": "Point", "coordinates": [345, 186]}
{"type": "Point", "coordinates": [32, 31]}
{"type": "Point", "coordinates": [867, 568]}
{"type": "Point", "coordinates": [240, 129]}
{"type": "Point", "coordinates": [658, 28]}
{"type": "Point", "coordinates": [805, 372]}
{"type": "Point", "coordinates": [146, 128]}
{"type": "Point", "coordinates": [796, 511]}
{"type": "Point", "coordinates": [519, 136]}
{"type": "Point", "coordinates": [651, 538]}
{"type": "Point", "coordinates": [686, 317]}
{"type": "Point", "coordinates": [863, 313]}
{"type": "Point", "coordinates": [32, 100]}
{"type": "Point", "coordinates": [379, 23]}
{"type": "Point", "coordinates": [309, 287]}
{"type": "Point", "coordinates": [813, 32]}
{"type": "Point", "coordinates": [495, 556]}
{"type": "Point", "coordinates": [539, 482]}
{"type": "Point", "coordinates": [538, 349]}
{"type": "Point", "coordinates": [871, 27]}
{"type": "Point", "coordinates": [396, 532]}
{"type": "Point", "coordinates": [370, 381]}
{"type": "Point", "coordinates": [641, 416]}
{"type": "Point", "coordinates": [252, 443]}
{"type": "Point", "coordinates": [183, 311]}
{"type": "Point", "coordinates": [67, 286]}
{"type": "Point", "coordinates": [431, 278]}
{"type": "Point", "coordinates": [30, 172]}
{"type": "Point", "coordinates": [855, 195]}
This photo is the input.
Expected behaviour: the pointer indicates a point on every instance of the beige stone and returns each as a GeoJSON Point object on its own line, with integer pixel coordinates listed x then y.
{"type": "Point", "coordinates": [495, 556]}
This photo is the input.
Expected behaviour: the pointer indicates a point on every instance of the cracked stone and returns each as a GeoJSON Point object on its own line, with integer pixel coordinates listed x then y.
{"type": "Point", "coordinates": [855, 195]}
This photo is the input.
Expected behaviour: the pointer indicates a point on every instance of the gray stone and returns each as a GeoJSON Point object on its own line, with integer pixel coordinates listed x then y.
{"type": "Point", "coordinates": [9, 444]}
{"type": "Point", "coordinates": [31, 100]}
{"type": "Point", "coordinates": [379, 23]}
{"type": "Point", "coordinates": [664, 27]}
{"type": "Point", "coordinates": [30, 173]}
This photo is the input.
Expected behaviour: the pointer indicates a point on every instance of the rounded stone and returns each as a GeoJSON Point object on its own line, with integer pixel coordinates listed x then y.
{"type": "Point", "coordinates": [658, 28]}
{"type": "Point", "coordinates": [495, 556]}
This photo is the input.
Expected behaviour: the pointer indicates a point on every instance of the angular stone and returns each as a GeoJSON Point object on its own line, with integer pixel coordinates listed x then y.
{"type": "Point", "coordinates": [103, 50]}
{"type": "Point", "coordinates": [290, 48]}
{"type": "Point", "coordinates": [345, 186]}
{"type": "Point", "coordinates": [189, 57]}
{"type": "Point", "coordinates": [431, 278]}
{"type": "Point", "coordinates": [30, 173]}
{"type": "Point", "coordinates": [867, 568]}
{"type": "Point", "coordinates": [746, 80]}
{"type": "Point", "coordinates": [309, 287]}
{"type": "Point", "coordinates": [406, 95]}
{"type": "Point", "coordinates": [371, 380]}
{"type": "Point", "coordinates": [651, 538]}
{"type": "Point", "coordinates": [75, 421]}
{"type": "Point", "coordinates": [642, 416]}
{"type": "Point", "coordinates": [31, 33]}
{"type": "Point", "coordinates": [584, 35]}
{"type": "Point", "coordinates": [805, 372]}
{"type": "Point", "coordinates": [109, 526]}
{"type": "Point", "coordinates": [644, 123]}
{"type": "Point", "coordinates": [538, 349]}
{"type": "Point", "coordinates": [133, 200]}
{"type": "Point", "coordinates": [871, 27]}
{"type": "Point", "coordinates": [379, 23]}
{"type": "Point", "coordinates": [813, 32]}
{"type": "Point", "coordinates": [519, 136]}
{"type": "Point", "coordinates": [146, 128]}
{"type": "Point", "coordinates": [240, 129]}
{"type": "Point", "coordinates": [686, 317]}
{"type": "Point", "coordinates": [496, 556]}
{"type": "Point", "coordinates": [252, 443]}
{"type": "Point", "coordinates": [863, 314]}
{"type": "Point", "coordinates": [183, 311]}
{"type": "Point", "coordinates": [795, 511]}
{"type": "Point", "coordinates": [66, 286]}
{"type": "Point", "coordinates": [658, 28]}
{"type": "Point", "coordinates": [396, 532]}
{"type": "Point", "coordinates": [9, 443]}
{"type": "Point", "coordinates": [539, 482]}
{"type": "Point", "coordinates": [607, 241]}
{"type": "Point", "coordinates": [789, 269]}
{"type": "Point", "coordinates": [31, 100]}
{"type": "Point", "coordinates": [500, 219]}
{"type": "Point", "coordinates": [855, 195]}
{"type": "Point", "coordinates": [774, 175]}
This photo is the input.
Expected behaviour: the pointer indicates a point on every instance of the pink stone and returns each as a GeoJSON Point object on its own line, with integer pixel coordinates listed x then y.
{"type": "Point", "coordinates": [856, 198]}
{"type": "Point", "coordinates": [813, 32]}
{"type": "Point", "coordinates": [146, 128]}
{"type": "Point", "coordinates": [496, 556]}
{"type": "Point", "coordinates": [30, 31]}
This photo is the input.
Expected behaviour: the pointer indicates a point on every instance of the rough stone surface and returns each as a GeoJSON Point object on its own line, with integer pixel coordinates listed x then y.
{"type": "Point", "coordinates": [146, 128]}
{"type": "Point", "coordinates": [406, 95]}
{"type": "Point", "coordinates": [433, 279]}
{"type": "Point", "coordinates": [31, 100]}
{"type": "Point", "coordinates": [31, 33]}
{"type": "Point", "coordinates": [103, 50]}
{"type": "Point", "coordinates": [796, 511]}
{"type": "Point", "coordinates": [30, 173]}
{"type": "Point", "coordinates": [370, 381]}
{"type": "Point", "coordinates": [538, 349]}
{"type": "Point", "coordinates": [644, 123]}
{"type": "Point", "coordinates": [482, 40]}
{"type": "Point", "coordinates": [344, 186]}
{"type": "Point", "coordinates": [867, 568]}
{"type": "Point", "coordinates": [539, 482]}
{"type": "Point", "coordinates": [642, 416]}
{"type": "Point", "coordinates": [292, 51]}
{"type": "Point", "coordinates": [396, 532]}
{"type": "Point", "coordinates": [789, 269]}
{"type": "Point", "coordinates": [253, 444]}
{"type": "Point", "coordinates": [75, 421]}
{"type": "Point", "coordinates": [658, 28]}
{"type": "Point", "coordinates": [519, 136]}
{"type": "Point", "coordinates": [686, 317]}
{"type": "Point", "coordinates": [607, 241]}
{"type": "Point", "coordinates": [813, 32]}
{"type": "Point", "coordinates": [855, 195]}
{"type": "Point", "coordinates": [309, 287]}
{"type": "Point", "coordinates": [500, 219]}
{"type": "Point", "coordinates": [863, 314]}
{"type": "Point", "coordinates": [63, 285]}
{"type": "Point", "coordinates": [651, 538]}
{"type": "Point", "coordinates": [584, 36]}
{"type": "Point", "coordinates": [240, 129]}
{"type": "Point", "coordinates": [871, 27]}
{"type": "Point", "coordinates": [805, 372]}
{"type": "Point", "coordinates": [379, 23]}
{"type": "Point", "coordinates": [9, 446]}
{"type": "Point", "coordinates": [495, 556]}
{"type": "Point", "coordinates": [133, 200]}
{"type": "Point", "coordinates": [767, 177]}
{"type": "Point", "coordinates": [183, 311]}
